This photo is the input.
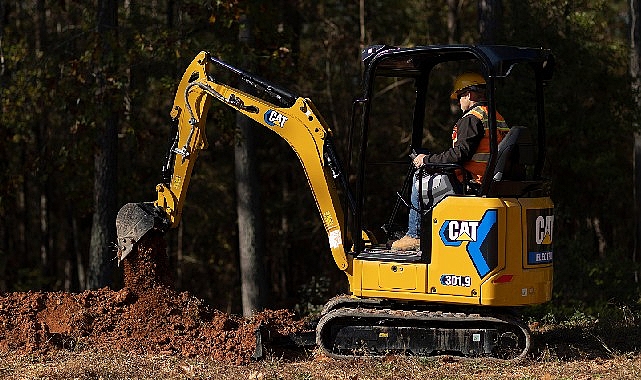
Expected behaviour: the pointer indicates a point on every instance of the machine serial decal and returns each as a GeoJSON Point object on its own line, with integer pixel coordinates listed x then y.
{"type": "Point", "coordinates": [275, 118]}
{"type": "Point", "coordinates": [539, 258]}
{"type": "Point", "coordinates": [480, 236]}
{"type": "Point", "coordinates": [456, 280]}
{"type": "Point", "coordinates": [541, 225]}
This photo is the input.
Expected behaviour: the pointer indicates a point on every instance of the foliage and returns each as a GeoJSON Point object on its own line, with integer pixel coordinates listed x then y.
{"type": "Point", "coordinates": [313, 295]}
{"type": "Point", "coordinates": [590, 147]}
{"type": "Point", "coordinates": [612, 329]}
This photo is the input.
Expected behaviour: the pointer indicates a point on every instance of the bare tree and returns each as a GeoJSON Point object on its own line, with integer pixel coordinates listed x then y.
{"type": "Point", "coordinates": [250, 226]}
{"type": "Point", "coordinates": [47, 261]}
{"type": "Point", "coordinates": [4, 230]}
{"type": "Point", "coordinates": [490, 12]}
{"type": "Point", "coordinates": [103, 230]}
{"type": "Point", "coordinates": [453, 7]}
{"type": "Point", "coordinates": [635, 74]}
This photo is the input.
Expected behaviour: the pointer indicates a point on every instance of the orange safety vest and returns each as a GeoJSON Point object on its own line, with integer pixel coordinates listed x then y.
{"type": "Point", "coordinates": [478, 163]}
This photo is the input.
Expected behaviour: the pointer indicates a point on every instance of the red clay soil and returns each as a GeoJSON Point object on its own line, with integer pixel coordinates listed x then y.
{"type": "Point", "coordinates": [146, 316]}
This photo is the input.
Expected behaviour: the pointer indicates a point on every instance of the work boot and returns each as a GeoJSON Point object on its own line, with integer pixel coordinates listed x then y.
{"type": "Point", "coordinates": [407, 243]}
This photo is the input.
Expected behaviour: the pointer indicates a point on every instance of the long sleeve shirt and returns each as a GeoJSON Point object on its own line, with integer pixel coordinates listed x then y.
{"type": "Point", "coordinates": [466, 136]}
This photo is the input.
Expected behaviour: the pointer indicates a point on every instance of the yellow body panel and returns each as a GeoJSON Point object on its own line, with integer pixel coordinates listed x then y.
{"type": "Point", "coordinates": [394, 276]}
{"type": "Point", "coordinates": [485, 251]}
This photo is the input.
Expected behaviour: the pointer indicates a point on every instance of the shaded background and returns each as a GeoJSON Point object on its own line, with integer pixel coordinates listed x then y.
{"type": "Point", "coordinates": [88, 88]}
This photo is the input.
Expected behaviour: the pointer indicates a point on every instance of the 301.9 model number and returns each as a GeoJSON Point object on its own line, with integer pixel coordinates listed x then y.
{"type": "Point", "coordinates": [456, 280]}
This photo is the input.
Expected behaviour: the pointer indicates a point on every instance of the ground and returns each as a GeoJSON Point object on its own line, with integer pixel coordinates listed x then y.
{"type": "Point", "coordinates": [148, 330]}
{"type": "Point", "coordinates": [146, 315]}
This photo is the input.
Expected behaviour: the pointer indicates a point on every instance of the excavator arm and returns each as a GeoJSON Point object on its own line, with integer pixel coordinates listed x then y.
{"type": "Point", "coordinates": [295, 119]}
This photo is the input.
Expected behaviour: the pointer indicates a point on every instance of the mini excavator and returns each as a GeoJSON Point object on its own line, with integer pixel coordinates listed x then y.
{"type": "Point", "coordinates": [484, 253]}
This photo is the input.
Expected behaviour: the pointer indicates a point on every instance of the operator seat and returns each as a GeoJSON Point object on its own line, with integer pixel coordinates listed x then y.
{"type": "Point", "coordinates": [515, 153]}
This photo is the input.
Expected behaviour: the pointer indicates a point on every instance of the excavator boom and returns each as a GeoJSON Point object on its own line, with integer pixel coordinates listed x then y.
{"type": "Point", "coordinates": [295, 119]}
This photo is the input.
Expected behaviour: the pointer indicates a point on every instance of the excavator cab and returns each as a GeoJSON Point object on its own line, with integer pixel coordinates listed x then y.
{"type": "Point", "coordinates": [404, 108]}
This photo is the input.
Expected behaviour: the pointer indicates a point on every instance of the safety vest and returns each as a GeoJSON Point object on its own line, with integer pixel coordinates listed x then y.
{"type": "Point", "coordinates": [478, 163]}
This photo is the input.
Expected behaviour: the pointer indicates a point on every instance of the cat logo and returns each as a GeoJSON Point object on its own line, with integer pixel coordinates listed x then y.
{"type": "Point", "coordinates": [544, 225]}
{"type": "Point", "coordinates": [540, 232]}
{"type": "Point", "coordinates": [455, 232]}
{"type": "Point", "coordinates": [479, 236]}
{"type": "Point", "coordinates": [275, 118]}
{"type": "Point", "coordinates": [462, 230]}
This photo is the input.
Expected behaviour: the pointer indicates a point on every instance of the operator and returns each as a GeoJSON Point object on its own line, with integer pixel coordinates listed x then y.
{"type": "Point", "coordinates": [470, 148]}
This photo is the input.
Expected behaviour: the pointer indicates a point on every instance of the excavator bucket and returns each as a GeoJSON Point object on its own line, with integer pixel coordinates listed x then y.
{"type": "Point", "coordinates": [134, 220]}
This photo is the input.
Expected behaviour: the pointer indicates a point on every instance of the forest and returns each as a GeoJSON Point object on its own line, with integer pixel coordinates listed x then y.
{"type": "Point", "coordinates": [86, 89]}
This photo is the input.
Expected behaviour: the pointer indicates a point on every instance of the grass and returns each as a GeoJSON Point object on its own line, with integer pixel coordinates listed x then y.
{"type": "Point", "coordinates": [575, 346]}
{"type": "Point", "coordinates": [93, 364]}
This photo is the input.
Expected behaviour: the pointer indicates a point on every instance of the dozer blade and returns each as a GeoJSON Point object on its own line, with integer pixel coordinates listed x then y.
{"type": "Point", "coordinates": [134, 220]}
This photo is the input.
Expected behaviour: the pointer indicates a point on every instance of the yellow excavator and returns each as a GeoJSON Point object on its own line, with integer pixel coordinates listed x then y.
{"type": "Point", "coordinates": [484, 252]}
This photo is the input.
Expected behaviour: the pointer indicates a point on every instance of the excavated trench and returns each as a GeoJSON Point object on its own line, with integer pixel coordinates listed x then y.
{"type": "Point", "coordinates": [146, 316]}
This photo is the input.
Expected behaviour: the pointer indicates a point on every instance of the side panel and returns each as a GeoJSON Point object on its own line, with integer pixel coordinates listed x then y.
{"type": "Point", "coordinates": [468, 245]}
{"type": "Point", "coordinates": [392, 276]}
{"type": "Point", "coordinates": [480, 253]}
{"type": "Point", "coordinates": [528, 274]}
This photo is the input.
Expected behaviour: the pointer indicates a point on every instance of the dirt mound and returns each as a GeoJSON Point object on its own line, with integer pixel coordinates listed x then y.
{"type": "Point", "coordinates": [146, 316]}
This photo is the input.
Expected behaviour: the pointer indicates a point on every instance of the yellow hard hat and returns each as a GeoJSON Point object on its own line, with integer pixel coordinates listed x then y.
{"type": "Point", "coordinates": [466, 80]}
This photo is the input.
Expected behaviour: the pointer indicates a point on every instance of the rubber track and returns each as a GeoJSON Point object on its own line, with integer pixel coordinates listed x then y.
{"type": "Point", "coordinates": [414, 316]}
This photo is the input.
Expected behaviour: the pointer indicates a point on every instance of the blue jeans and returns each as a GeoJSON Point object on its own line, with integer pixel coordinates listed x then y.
{"type": "Point", "coordinates": [414, 222]}
{"type": "Point", "coordinates": [435, 187]}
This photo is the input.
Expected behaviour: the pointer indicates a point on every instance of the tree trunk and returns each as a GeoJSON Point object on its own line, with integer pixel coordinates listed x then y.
{"type": "Point", "coordinates": [2, 62]}
{"type": "Point", "coordinates": [4, 229]}
{"type": "Point", "coordinates": [490, 12]}
{"type": "Point", "coordinates": [103, 230]}
{"type": "Point", "coordinates": [452, 21]}
{"type": "Point", "coordinates": [635, 74]}
{"type": "Point", "coordinates": [361, 23]}
{"type": "Point", "coordinates": [77, 254]}
{"type": "Point", "coordinates": [179, 255]}
{"type": "Point", "coordinates": [22, 245]}
{"type": "Point", "coordinates": [47, 259]}
{"type": "Point", "coordinates": [250, 227]}
{"type": "Point", "coordinates": [4, 252]}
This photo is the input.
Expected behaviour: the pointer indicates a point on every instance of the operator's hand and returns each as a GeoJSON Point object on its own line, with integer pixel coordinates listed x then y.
{"type": "Point", "coordinates": [418, 160]}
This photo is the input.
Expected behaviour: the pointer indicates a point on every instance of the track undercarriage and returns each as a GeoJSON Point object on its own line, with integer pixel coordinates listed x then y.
{"type": "Point", "coordinates": [353, 328]}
